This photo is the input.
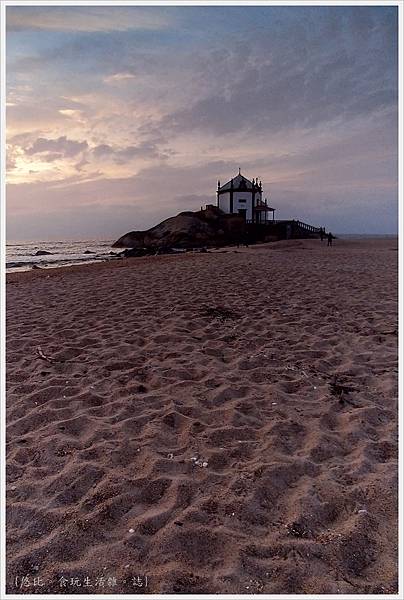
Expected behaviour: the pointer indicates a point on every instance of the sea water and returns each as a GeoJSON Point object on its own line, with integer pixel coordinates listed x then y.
{"type": "Point", "coordinates": [20, 256]}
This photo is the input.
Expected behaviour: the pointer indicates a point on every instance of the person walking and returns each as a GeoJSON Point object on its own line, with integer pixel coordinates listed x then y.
{"type": "Point", "coordinates": [329, 238]}
{"type": "Point", "coordinates": [321, 233]}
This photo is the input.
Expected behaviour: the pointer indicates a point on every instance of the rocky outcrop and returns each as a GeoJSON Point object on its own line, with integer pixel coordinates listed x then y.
{"type": "Point", "coordinates": [208, 227]}
{"type": "Point", "coordinates": [42, 253]}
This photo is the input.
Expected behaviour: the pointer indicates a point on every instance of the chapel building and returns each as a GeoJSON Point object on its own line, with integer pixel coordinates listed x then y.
{"type": "Point", "coordinates": [244, 197]}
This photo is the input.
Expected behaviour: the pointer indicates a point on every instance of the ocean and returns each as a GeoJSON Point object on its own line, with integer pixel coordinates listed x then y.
{"type": "Point", "coordinates": [21, 256]}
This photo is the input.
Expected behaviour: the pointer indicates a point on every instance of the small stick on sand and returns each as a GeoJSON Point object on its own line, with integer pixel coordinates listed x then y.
{"type": "Point", "coordinates": [394, 332]}
{"type": "Point", "coordinates": [54, 360]}
{"type": "Point", "coordinates": [43, 356]}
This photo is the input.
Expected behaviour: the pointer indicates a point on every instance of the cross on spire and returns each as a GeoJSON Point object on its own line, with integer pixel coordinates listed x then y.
{"type": "Point", "coordinates": [239, 170]}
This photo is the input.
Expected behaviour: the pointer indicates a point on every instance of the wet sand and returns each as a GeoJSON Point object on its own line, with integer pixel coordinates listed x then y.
{"type": "Point", "coordinates": [220, 423]}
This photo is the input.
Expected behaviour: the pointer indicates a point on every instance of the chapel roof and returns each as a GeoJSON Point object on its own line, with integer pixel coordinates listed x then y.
{"type": "Point", "coordinates": [238, 181]}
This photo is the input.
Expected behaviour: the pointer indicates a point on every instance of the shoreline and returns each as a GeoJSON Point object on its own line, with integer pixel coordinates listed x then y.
{"type": "Point", "coordinates": [123, 262]}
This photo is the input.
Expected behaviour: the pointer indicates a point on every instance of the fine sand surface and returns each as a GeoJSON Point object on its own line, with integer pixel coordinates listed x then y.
{"type": "Point", "coordinates": [220, 422]}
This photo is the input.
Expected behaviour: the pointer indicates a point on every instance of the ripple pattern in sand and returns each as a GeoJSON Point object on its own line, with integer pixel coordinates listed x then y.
{"type": "Point", "coordinates": [224, 423]}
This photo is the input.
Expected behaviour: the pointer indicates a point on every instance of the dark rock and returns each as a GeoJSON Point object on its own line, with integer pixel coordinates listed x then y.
{"type": "Point", "coordinates": [36, 267]}
{"type": "Point", "coordinates": [209, 227]}
{"type": "Point", "coordinates": [88, 252]}
{"type": "Point", "coordinates": [130, 252]}
{"type": "Point", "coordinates": [42, 253]}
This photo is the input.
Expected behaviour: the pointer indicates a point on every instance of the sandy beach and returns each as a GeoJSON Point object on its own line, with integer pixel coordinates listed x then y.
{"type": "Point", "coordinates": [220, 422]}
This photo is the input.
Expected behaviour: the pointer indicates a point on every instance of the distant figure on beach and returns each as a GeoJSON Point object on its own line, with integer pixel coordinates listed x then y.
{"type": "Point", "coordinates": [244, 241]}
{"type": "Point", "coordinates": [322, 232]}
{"type": "Point", "coordinates": [329, 238]}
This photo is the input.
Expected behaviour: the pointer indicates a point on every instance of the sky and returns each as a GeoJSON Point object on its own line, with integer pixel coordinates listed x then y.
{"type": "Point", "coordinates": [119, 117]}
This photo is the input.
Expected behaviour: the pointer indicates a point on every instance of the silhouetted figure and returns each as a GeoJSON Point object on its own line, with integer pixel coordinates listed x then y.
{"type": "Point", "coordinates": [244, 239]}
{"type": "Point", "coordinates": [321, 233]}
{"type": "Point", "coordinates": [329, 238]}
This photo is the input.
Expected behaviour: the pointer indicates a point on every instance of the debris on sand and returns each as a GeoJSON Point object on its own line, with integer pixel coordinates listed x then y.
{"type": "Point", "coordinates": [51, 359]}
{"type": "Point", "coordinates": [298, 530]}
{"type": "Point", "coordinates": [338, 388]}
{"type": "Point", "coordinates": [342, 390]}
{"type": "Point", "coordinates": [220, 312]}
{"type": "Point", "coordinates": [199, 462]}
{"type": "Point", "coordinates": [43, 356]}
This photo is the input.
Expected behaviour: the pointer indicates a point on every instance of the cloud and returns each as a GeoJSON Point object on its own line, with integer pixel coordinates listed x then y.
{"type": "Point", "coordinates": [314, 81]}
{"type": "Point", "coordinates": [143, 150]}
{"type": "Point", "coordinates": [88, 19]}
{"type": "Point", "coordinates": [118, 78]}
{"type": "Point", "coordinates": [10, 162]}
{"type": "Point", "coordinates": [51, 157]}
{"type": "Point", "coordinates": [122, 155]}
{"type": "Point", "coordinates": [58, 148]}
{"type": "Point", "coordinates": [70, 112]}
{"type": "Point", "coordinates": [102, 150]}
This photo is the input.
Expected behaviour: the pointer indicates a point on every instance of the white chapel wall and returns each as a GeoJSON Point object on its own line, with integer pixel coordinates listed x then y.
{"type": "Point", "coordinates": [224, 202]}
{"type": "Point", "coordinates": [237, 196]}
